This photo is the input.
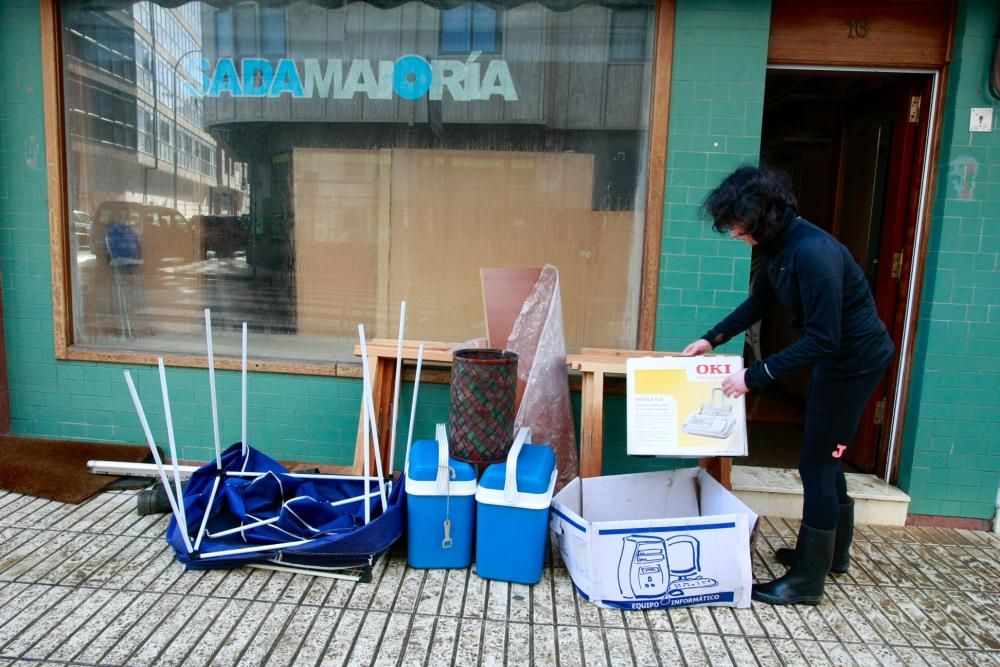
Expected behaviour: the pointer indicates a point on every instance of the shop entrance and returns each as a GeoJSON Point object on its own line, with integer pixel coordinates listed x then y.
{"type": "Point", "coordinates": [853, 143]}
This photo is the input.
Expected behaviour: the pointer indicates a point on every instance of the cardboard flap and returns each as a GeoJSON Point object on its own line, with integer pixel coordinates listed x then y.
{"type": "Point", "coordinates": [641, 496]}
{"type": "Point", "coordinates": [716, 500]}
{"type": "Point", "coordinates": [571, 497]}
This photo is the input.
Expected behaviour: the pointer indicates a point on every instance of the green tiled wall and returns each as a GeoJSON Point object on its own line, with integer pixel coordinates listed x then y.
{"type": "Point", "coordinates": [716, 107]}
{"type": "Point", "coordinates": [951, 452]}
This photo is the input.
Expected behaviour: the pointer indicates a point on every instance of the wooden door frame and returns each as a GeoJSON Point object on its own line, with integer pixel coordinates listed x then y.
{"type": "Point", "coordinates": [900, 383]}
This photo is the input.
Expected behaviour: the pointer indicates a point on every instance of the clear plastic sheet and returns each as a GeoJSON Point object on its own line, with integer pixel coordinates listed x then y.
{"type": "Point", "coordinates": [540, 343]}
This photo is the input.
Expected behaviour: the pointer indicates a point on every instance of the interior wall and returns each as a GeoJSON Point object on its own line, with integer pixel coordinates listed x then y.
{"type": "Point", "coordinates": [454, 212]}
{"type": "Point", "coordinates": [716, 110]}
{"type": "Point", "coordinates": [373, 228]}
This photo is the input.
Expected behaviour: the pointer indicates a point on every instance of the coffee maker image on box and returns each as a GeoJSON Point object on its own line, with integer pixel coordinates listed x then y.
{"type": "Point", "coordinates": [714, 420]}
{"type": "Point", "coordinates": [651, 567]}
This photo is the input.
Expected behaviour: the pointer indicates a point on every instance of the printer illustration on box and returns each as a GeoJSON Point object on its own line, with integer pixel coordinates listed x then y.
{"type": "Point", "coordinates": [651, 567]}
{"type": "Point", "coordinates": [714, 420]}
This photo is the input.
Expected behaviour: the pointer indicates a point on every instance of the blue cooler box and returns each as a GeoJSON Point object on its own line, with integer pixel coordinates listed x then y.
{"type": "Point", "coordinates": [440, 501]}
{"type": "Point", "coordinates": [512, 507]}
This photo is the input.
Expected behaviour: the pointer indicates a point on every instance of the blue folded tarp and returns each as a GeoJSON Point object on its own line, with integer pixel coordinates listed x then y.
{"type": "Point", "coordinates": [299, 509]}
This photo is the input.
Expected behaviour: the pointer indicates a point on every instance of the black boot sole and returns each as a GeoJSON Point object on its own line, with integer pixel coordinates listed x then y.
{"type": "Point", "coordinates": [769, 599]}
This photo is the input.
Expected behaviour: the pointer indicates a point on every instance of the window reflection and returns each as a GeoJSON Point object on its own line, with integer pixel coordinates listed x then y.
{"type": "Point", "coordinates": [304, 169]}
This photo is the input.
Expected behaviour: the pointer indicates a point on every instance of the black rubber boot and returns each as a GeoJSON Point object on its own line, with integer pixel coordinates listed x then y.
{"type": "Point", "coordinates": [805, 580]}
{"type": "Point", "coordinates": [842, 545]}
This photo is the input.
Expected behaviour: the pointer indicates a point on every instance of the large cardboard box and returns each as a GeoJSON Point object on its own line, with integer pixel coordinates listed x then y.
{"type": "Point", "coordinates": [655, 540]}
{"type": "Point", "coordinates": [676, 407]}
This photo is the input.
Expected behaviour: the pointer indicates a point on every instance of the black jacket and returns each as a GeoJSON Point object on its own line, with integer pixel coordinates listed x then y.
{"type": "Point", "coordinates": [815, 277]}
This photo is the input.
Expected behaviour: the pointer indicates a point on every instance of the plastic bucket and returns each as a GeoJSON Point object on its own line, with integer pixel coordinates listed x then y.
{"type": "Point", "coordinates": [483, 386]}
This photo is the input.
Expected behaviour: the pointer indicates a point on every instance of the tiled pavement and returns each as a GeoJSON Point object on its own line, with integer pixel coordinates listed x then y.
{"type": "Point", "coordinates": [95, 584]}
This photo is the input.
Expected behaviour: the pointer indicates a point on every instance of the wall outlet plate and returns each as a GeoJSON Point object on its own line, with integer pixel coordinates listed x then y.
{"type": "Point", "coordinates": [981, 119]}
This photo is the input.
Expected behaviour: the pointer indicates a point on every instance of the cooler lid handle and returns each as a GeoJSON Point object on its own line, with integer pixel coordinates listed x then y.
{"type": "Point", "coordinates": [510, 484]}
{"type": "Point", "coordinates": [441, 434]}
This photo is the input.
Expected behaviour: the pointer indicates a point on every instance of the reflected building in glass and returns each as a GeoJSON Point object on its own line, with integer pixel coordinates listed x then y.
{"type": "Point", "coordinates": [390, 154]}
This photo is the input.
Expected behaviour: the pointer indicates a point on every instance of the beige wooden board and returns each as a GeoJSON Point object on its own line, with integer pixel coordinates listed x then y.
{"type": "Point", "coordinates": [515, 209]}
{"type": "Point", "coordinates": [336, 207]}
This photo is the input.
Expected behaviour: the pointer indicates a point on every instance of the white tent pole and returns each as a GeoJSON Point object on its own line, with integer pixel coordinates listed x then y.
{"type": "Point", "coordinates": [208, 511]}
{"type": "Point", "coordinates": [395, 394]}
{"type": "Point", "coordinates": [275, 519]}
{"type": "Point", "coordinates": [348, 501]}
{"type": "Point", "coordinates": [367, 464]}
{"type": "Point", "coordinates": [413, 410]}
{"type": "Point", "coordinates": [369, 404]}
{"type": "Point", "coordinates": [156, 458]}
{"type": "Point", "coordinates": [173, 445]}
{"type": "Point", "coordinates": [211, 386]}
{"type": "Point", "coordinates": [243, 366]}
{"type": "Point", "coordinates": [250, 550]}
{"type": "Point", "coordinates": [300, 475]}
{"type": "Point", "coordinates": [248, 526]}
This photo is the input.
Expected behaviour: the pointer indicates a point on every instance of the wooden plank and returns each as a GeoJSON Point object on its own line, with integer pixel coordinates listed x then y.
{"type": "Point", "coordinates": [382, 365]}
{"type": "Point", "coordinates": [592, 425]}
{"type": "Point", "coordinates": [659, 122]}
{"type": "Point", "coordinates": [609, 366]}
{"type": "Point", "coordinates": [721, 468]}
{"type": "Point", "coordinates": [383, 374]}
{"type": "Point", "coordinates": [600, 352]}
{"type": "Point", "coordinates": [55, 158]}
{"type": "Point", "coordinates": [4, 386]}
{"type": "Point", "coordinates": [433, 352]}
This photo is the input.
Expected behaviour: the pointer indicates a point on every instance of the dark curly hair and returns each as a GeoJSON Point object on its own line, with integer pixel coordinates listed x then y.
{"type": "Point", "coordinates": [756, 197]}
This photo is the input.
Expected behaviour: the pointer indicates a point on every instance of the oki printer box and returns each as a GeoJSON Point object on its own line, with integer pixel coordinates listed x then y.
{"type": "Point", "coordinates": [676, 407]}
{"type": "Point", "coordinates": [655, 540]}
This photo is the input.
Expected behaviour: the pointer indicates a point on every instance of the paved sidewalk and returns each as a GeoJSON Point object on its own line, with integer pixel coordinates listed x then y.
{"type": "Point", "coordinates": [95, 584]}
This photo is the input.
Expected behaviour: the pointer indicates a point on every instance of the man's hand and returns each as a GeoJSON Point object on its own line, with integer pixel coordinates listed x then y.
{"type": "Point", "coordinates": [697, 348]}
{"type": "Point", "coordinates": [734, 385]}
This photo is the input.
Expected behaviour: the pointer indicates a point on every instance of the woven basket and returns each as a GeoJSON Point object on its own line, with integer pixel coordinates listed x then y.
{"type": "Point", "coordinates": [483, 384]}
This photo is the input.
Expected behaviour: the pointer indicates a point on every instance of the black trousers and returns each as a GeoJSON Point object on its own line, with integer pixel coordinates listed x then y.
{"type": "Point", "coordinates": [833, 410]}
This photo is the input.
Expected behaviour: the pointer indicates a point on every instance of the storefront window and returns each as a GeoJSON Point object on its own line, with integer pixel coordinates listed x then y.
{"type": "Point", "coordinates": [306, 167]}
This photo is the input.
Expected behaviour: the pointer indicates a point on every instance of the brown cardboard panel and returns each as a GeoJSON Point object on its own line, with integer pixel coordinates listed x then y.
{"type": "Point", "coordinates": [504, 292]}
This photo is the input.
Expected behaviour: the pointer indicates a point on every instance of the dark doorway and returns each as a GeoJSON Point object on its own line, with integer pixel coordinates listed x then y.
{"type": "Point", "coordinates": [853, 145]}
